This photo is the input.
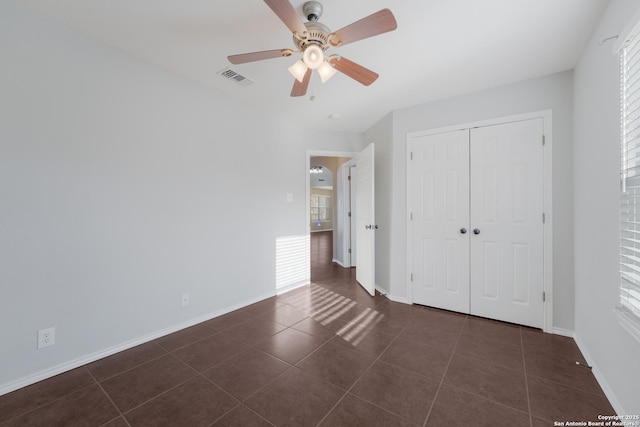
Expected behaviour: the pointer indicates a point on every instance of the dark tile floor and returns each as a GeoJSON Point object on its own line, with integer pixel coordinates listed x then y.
{"type": "Point", "coordinates": [327, 354]}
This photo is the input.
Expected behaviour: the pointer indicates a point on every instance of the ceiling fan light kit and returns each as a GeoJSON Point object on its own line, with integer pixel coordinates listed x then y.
{"type": "Point", "coordinates": [298, 70]}
{"type": "Point", "coordinates": [326, 71]}
{"type": "Point", "coordinates": [313, 38]}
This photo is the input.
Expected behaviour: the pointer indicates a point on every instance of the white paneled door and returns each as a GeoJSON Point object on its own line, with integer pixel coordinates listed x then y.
{"type": "Point", "coordinates": [507, 213]}
{"type": "Point", "coordinates": [477, 227]}
{"type": "Point", "coordinates": [440, 235]}
{"type": "Point", "coordinates": [365, 219]}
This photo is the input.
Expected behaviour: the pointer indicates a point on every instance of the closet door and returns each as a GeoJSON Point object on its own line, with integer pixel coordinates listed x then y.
{"type": "Point", "coordinates": [506, 248]}
{"type": "Point", "coordinates": [440, 212]}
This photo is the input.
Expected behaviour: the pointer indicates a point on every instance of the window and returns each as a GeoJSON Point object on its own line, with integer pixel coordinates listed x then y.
{"type": "Point", "coordinates": [630, 179]}
{"type": "Point", "coordinates": [320, 208]}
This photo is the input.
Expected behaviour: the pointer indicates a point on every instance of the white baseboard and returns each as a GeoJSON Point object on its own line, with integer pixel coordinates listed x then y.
{"type": "Point", "coordinates": [402, 300]}
{"type": "Point", "coordinates": [380, 290]}
{"type": "Point", "coordinates": [563, 332]}
{"type": "Point", "coordinates": [338, 262]}
{"type": "Point", "coordinates": [596, 373]}
{"type": "Point", "coordinates": [92, 357]}
{"type": "Point", "coordinates": [617, 406]}
{"type": "Point", "coordinates": [292, 287]}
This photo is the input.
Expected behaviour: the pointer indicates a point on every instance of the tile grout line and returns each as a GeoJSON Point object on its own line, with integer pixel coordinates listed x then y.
{"type": "Point", "coordinates": [272, 380]}
{"type": "Point", "coordinates": [131, 368]}
{"type": "Point", "coordinates": [362, 376]}
{"type": "Point", "coordinates": [600, 395]}
{"type": "Point", "coordinates": [224, 391]}
{"type": "Point", "coordinates": [466, 321]}
{"type": "Point", "coordinates": [110, 400]}
{"type": "Point", "coordinates": [326, 342]}
{"type": "Point", "coordinates": [236, 407]}
{"type": "Point", "coordinates": [54, 400]}
{"type": "Point", "coordinates": [164, 392]}
{"type": "Point", "coordinates": [526, 382]}
{"type": "Point", "coordinates": [486, 398]}
{"type": "Point", "coordinates": [190, 343]}
{"type": "Point", "coordinates": [291, 366]}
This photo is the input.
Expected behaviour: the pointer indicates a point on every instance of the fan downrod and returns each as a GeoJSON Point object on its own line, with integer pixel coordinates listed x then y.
{"type": "Point", "coordinates": [312, 10]}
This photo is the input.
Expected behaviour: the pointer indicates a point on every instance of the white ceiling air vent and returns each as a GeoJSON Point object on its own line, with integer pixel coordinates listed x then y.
{"type": "Point", "coordinates": [228, 73]}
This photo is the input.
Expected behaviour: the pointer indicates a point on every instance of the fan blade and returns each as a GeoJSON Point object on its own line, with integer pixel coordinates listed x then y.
{"type": "Point", "coordinates": [378, 23]}
{"type": "Point", "coordinates": [353, 70]}
{"type": "Point", "coordinates": [258, 56]}
{"type": "Point", "coordinates": [300, 89]}
{"type": "Point", "coordinates": [287, 14]}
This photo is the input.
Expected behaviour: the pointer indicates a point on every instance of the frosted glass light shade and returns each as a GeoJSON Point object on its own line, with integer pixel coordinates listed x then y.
{"type": "Point", "coordinates": [313, 56]}
{"type": "Point", "coordinates": [326, 71]}
{"type": "Point", "coordinates": [298, 70]}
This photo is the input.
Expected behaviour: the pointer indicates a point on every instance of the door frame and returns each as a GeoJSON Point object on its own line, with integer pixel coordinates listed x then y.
{"type": "Point", "coordinates": [348, 217]}
{"type": "Point", "coordinates": [546, 115]}
{"type": "Point", "coordinates": [309, 155]}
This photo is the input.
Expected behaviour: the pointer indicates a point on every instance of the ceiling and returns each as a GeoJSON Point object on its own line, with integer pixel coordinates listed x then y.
{"type": "Point", "coordinates": [442, 48]}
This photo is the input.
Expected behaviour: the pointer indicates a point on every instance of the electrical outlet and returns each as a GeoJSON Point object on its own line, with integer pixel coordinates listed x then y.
{"type": "Point", "coordinates": [185, 299]}
{"type": "Point", "coordinates": [46, 337]}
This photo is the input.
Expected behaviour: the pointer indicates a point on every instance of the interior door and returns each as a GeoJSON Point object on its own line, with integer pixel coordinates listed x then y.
{"type": "Point", "coordinates": [440, 212]}
{"type": "Point", "coordinates": [506, 222]}
{"type": "Point", "coordinates": [365, 219]}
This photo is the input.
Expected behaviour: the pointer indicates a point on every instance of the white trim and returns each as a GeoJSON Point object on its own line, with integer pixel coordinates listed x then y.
{"type": "Point", "coordinates": [92, 357]}
{"type": "Point", "coordinates": [408, 213]}
{"type": "Point", "coordinates": [346, 219]}
{"type": "Point", "coordinates": [628, 321]}
{"type": "Point", "coordinates": [546, 115]}
{"type": "Point", "coordinates": [402, 300]}
{"type": "Point", "coordinates": [381, 291]}
{"type": "Point", "coordinates": [293, 287]}
{"type": "Point", "coordinates": [608, 391]}
{"type": "Point", "coordinates": [563, 332]}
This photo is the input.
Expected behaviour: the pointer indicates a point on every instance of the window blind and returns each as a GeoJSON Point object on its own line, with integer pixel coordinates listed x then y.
{"type": "Point", "coordinates": [630, 176]}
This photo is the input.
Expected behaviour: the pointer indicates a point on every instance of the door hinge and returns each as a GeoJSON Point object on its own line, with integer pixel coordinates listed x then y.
{"type": "Point", "coordinates": [544, 140]}
{"type": "Point", "coordinates": [349, 178]}
{"type": "Point", "coordinates": [544, 297]}
{"type": "Point", "coordinates": [412, 277]}
{"type": "Point", "coordinates": [412, 155]}
{"type": "Point", "coordinates": [544, 218]}
{"type": "Point", "coordinates": [349, 214]}
{"type": "Point", "coordinates": [349, 250]}
{"type": "Point", "coordinates": [411, 216]}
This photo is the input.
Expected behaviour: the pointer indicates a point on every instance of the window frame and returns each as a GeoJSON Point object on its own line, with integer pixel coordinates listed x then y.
{"type": "Point", "coordinates": [628, 309]}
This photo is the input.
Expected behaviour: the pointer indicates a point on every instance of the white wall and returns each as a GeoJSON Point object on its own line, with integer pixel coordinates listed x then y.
{"type": "Point", "coordinates": [123, 186]}
{"type": "Point", "coordinates": [549, 92]}
{"type": "Point", "coordinates": [614, 354]}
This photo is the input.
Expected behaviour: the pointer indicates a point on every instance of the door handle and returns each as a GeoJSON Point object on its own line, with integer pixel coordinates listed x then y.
{"type": "Point", "coordinates": [371, 227]}
{"type": "Point", "coordinates": [476, 231]}
{"type": "Point", "coordinates": [463, 231]}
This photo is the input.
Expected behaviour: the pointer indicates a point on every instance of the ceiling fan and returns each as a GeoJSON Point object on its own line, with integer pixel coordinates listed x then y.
{"type": "Point", "coordinates": [313, 38]}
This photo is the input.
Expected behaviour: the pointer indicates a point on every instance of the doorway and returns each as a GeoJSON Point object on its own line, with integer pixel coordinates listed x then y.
{"type": "Point", "coordinates": [330, 207]}
{"type": "Point", "coordinates": [346, 223]}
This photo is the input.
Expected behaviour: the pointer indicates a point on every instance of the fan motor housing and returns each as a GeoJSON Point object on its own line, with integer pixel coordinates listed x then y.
{"type": "Point", "coordinates": [317, 33]}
